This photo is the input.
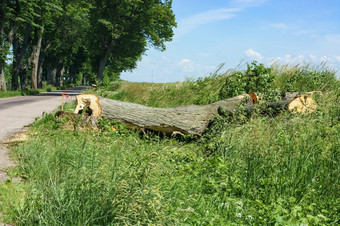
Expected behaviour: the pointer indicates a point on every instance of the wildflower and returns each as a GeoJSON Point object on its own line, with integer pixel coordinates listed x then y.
{"type": "Point", "coordinates": [249, 217]}
{"type": "Point", "coordinates": [224, 205]}
{"type": "Point", "coordinates": [239, 205]}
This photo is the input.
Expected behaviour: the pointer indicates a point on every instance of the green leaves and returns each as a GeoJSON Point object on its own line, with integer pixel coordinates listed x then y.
{"type": "Point", "coordinates": [257, 78]}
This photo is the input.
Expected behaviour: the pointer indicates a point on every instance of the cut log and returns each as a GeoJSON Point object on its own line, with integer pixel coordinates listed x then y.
{"type": "Point", "coordinates": [190, 119]}
{"type": "Point", "coordinates": [292, 102]}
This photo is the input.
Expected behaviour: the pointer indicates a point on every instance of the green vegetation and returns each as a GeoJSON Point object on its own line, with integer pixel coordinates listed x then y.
{"type": "Point", "coordinates": [281, 170]}
{"type": "Point", "coordinates": [25, 92]}
{"type": "Point", "coordinates": [83, 41]}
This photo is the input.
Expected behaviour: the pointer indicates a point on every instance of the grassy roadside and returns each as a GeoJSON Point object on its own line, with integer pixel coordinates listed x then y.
{"type": "Point", "coordinates": [266, 170]}
{"type": "Point", "coordinates": [4, 94]}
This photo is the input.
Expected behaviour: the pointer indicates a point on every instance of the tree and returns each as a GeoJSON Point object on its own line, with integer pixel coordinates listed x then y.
{"type": "Point", "coordinates": [122, 29]}
{"type": "Point", "coordinates": [6, 35]}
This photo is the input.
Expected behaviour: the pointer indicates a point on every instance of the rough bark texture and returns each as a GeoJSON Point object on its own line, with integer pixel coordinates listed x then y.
{"type": "Point", "coordinates": [19, 50]}
{"type": "Point", "coordinates": [51, 75]}
{"type": "Point", "coordinates": [190, 119]}
{"type": "Point", "coordinates": [294, 102]}
{"type": "Point", "coordinates": [60, 74]}
{"type": "Point", "coordinates": [2, 60]}
{"type": "Point", "coordinates": [4, 48]}
{"type": "Point", "coordinates": [35, 57]}
{"type": "Point", "coordinates": [104, 59]}
{"type": "Point", "coordinates": [2, 79]}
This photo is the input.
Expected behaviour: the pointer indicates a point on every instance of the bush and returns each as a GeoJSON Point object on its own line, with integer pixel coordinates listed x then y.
{"type": "Point", "coordinates": [257, 78]}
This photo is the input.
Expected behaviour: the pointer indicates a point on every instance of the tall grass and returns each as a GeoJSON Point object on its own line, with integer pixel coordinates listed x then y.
{"type": "Point", "coordinates": [201, 91]}
{"type": "Point", "coordinates": [281, 170]}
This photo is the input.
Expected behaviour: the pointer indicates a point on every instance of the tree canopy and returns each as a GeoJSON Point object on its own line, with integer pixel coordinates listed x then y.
{"type": "Point", "coordinates": [76, 41]}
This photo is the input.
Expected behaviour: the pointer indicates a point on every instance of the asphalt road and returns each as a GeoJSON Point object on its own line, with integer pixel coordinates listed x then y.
{"type": "Point", "coordinates": [17, 112]}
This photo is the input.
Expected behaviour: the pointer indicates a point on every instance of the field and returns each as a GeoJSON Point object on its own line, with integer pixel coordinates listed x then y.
{"type": "Point", "coordinates": [275, 170]}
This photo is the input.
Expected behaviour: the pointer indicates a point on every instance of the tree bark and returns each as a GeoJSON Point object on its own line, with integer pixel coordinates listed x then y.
{"type": "Point", "coordinates": [104, 59]}
{"type": "Point", "coordinates": [35, 57]}
{"type": "Point", "coordinates": [2, 78]}
{"type": "Point", "coordinates": [59, 74]}
{"type": "Point", "coordinates": [294, 102]}
{"type": "Point", "coordinates": [51, 75]}
{"type": "Point", "coordinates": [4, 47]}
{"type": "Point", "coordinates": [190, 119]}
{"type": "Point", "coordinates": [2, 59]}
{"type": "Point", "coordinates": [19, 50]}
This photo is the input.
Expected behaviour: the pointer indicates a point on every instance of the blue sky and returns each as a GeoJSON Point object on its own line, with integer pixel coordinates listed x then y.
{"type": "Point", "coordinates": [211, 32]}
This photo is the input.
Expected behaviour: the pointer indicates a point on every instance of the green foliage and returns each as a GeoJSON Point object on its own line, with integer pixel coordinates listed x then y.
{"type": "Point", "coordinates": [202, 91]}
{"type": "Point", "coordinates": [109, 77]}
{"type": "Point", "coordinates": [257, 78]}
{"type": "Point", "coordinates": [243, 171]}
{"type": "Point", "coordinates": [305, 78]}
{"type": "Point", "coordinates": [122, 36]}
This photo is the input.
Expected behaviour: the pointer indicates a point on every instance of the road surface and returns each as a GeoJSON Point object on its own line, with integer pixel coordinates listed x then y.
{"type": "Point", "coordinates": [17, 112]}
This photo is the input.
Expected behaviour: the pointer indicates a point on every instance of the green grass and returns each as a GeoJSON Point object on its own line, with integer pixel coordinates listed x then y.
{"type": "Point", "coordinates": [201, 91]}
{"type": "Point", "coordinates": [24, 92]}
{"type": "Point", "coordinates": [281, 170]}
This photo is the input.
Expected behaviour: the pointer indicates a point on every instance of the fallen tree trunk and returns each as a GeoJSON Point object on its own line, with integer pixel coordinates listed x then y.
{"type": "Point", "coordinates": [190, 119]}
{"type": "Point", "coordinates": [293, 102]}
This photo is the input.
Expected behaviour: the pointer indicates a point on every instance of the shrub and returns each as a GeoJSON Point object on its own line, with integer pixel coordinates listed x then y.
{"type": "Point", "coordinates": [257, 78]}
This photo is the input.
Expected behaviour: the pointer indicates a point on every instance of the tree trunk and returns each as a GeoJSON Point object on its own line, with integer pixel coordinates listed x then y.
{"type": "Point", "coordinates": [2, 78]}
{"type": "Point", "coordinates": [40, 69]}
{"type": "Point", "coordinates": [19, 50]}
{"type": "Point", "coordinates": [41, 62]}
{"type": "Point", "coordinates": [294, 102]}
{"type": "Point", "coordinates": [190, 119]}
{"type": "Point", "coordinates": [51, 75]}
{"type": "Point", "coordinates": [4, 47]}
{"type": "Point", "coordinates": [60, 74]}
{"type": "Point", "coordinates": [35, 57]}
{"type": "Point", "coordinates": [103, 60]}
{"type": "Point", "coordinates": [2, 58]}
{"type": "Point", "coordinates": [3, 50]}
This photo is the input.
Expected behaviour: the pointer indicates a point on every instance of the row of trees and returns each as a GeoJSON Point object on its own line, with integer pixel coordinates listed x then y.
{"type": "Point", "coordinates": [65, 40]}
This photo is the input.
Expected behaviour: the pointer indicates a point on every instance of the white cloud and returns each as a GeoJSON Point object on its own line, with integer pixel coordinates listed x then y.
{"type": "Point", "coordinates": [190, 23]}
{"type": "Point", "coordinates": [337, 58]}
{"type": "Point", "coordinates": [159, 68]}
{"type": "Point", "coordinates": [334, 38]}
{"type": "Point", "coordinates": [248, 3]}
{"type": "Point", "coordinates": [280, 26]}
{"type": "Point", "coordinates": [325, 59]}
{"type": "Point", "coordinates": [184, 61]}
{"type": "Point", "coordinates": [190, 68]}
{"type": "Point", "coordinates": [186, 65]}
{"type": "Point", "coordinates": [207, 17]}
{"type": "Point", "coordinates": [313, 58]}
{"type": "Point", "coordinates": [252, 54]}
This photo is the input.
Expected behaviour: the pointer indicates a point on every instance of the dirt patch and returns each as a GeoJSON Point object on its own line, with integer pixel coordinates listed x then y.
{"type": "Point", "coordinates": [5, 160]}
